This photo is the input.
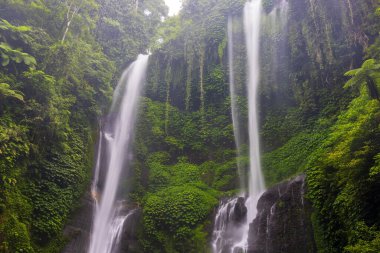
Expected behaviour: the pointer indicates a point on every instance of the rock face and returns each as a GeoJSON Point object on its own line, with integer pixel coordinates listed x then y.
{"type": "Point", "coordinates": [283, 223]}
{"type": "Point", "coordinates": [239, 214]}
{"type": "Point", "coordinates": [77, 231]}
{"type": "Point", "coordinates": [128, 242]}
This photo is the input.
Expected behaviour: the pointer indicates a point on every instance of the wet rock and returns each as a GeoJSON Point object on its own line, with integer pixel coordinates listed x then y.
{"type": "Point", "coordinates": [239, 214]}
{"type": "Point", "coordinates": [77, 231]}
{"type": "Point", "coordinates": [129, 240]}
{"type": "Point", "coordinates": [283, 222]}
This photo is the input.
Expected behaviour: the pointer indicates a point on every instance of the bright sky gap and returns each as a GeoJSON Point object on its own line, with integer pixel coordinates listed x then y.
{"type": "Point", "coordinates": [174, 6]}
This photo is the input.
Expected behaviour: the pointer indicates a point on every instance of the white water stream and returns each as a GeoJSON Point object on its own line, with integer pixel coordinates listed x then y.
{"type": "Point", "coordinates": [256, 186]}
{"type": "Point", "coordinates": [252, 14]}
{"type": "Point", "coordinates": [109, 220]}
{"type": "Point", "coordinates": [226, 236]}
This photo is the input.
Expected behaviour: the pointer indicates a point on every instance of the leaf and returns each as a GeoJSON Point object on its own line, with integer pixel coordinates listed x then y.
{"type": "Point", "coordinates": [368, 64]}
{"type": "Point", "coordinates": [4, 60]}
{"type": "Point", "coordinates": [7, 92]}
{"type": "Point", "coordinates": [29, 60]}
{"type": "Point", "coordinates": [17, 58]}
{"type": "Point", "coordinates": [5, 25]}
{"type": "Point", "coordinates": [356, 80]}
{"type": "Point", "coordinates": [352, 72]}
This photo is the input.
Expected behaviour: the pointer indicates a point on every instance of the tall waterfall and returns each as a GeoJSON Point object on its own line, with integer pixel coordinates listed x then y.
{"type": "Point", "coordinates": [231, 229]}
{"type": "Point", "coordinates": [256, 186]}
{"type": "Point", "coordinates": [118, 133]}
{"type": "Point", "coordinates": [252, 14]}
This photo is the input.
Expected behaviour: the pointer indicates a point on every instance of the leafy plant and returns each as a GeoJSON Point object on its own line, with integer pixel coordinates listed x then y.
{"type": "Point", "coordinates": [368, 75]}
{"type": "Point", "coordinates": [7, 92]}
{"type": "Point", "coordinates": [8, 54]}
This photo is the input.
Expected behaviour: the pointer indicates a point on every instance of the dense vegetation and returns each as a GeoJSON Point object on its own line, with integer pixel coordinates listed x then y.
{"type": "Point", "coordinates": [319, 111]}
{"type": "Point", "coordinates": [58, 67]}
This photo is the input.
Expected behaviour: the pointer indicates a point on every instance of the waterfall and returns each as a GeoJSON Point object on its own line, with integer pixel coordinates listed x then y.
{"type": "Point", "coordinates": [229, 235]}
{"type": "Point", "coordinates": [233, 94]}
{"type": "Point", "coordinates": [95, 181]}
{"type": "Point", "coordinates": [109, 217]}
{"type": "Point", "coordinates": [252, 14]}
{"type": "Point", "coordinates": [252, 18]}
{"type": "Point", "coordinates": [226, 230]}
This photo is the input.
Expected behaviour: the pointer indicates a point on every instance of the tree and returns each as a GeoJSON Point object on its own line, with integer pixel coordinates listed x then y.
{"type": "Point", "coordinates": [368, 74]}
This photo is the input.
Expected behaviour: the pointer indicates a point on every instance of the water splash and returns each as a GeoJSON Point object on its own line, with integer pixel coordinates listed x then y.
{"type": "Point", "coordinates": [118, 134]}
{"type": "Point", "coordinates": [115, 233]}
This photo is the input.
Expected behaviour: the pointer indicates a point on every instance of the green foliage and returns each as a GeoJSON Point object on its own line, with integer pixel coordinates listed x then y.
{"type": "Point", "coordinates": [48, 112]}
{"type": "Point", "coordinates": [8, 54]}
{"type": "Point", "coordinates": [6, 26]}
{"type": "Point", "coordinates": [124, 31]}
{"type": "Point", "coordinates": [5, 91]}
{"type": "Point", "coordinates": [292, 158]}
{"type": "Point", "coordinates": [16, 236]}
{"type": "Point", "coordinates": [365, 246]}
{"type": "Point", "coordinates": [340, 182]}
{"type": "Point", "coordinates": [368, 74]}
{"type": "Point", "coordinates": [168, 144]}
{"type": "Point", "coordinates": [176, 211]}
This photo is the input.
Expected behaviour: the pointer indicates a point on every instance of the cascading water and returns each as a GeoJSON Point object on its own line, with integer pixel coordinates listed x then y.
{"type": "Point", "coordinates": [227, 235]}
{"type": "Point", "coordinates": [109, 217]}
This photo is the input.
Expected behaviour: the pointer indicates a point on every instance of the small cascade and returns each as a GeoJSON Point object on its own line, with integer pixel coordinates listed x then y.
{"type": "Point", "coordinates": [222, 223]}
{"type": "Point", "coordinates": [109, 218]}
{"type": "Point", "coordinates": [115, 233]}
{"type": "Point", "coordinates": [231, 214]}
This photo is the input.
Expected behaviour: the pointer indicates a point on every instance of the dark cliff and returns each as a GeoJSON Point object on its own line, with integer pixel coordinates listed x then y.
{"type": "Point", "coordinates": [283, 222]}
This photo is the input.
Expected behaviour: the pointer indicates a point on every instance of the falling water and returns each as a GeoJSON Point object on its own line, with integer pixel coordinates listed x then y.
{"type": "Point", "coordinates": [252, 18]}
{"type": "Point", "coordinates": [95, 181]}
{"type": "Point", "coordinates": [223, 228]}
{"type": "Point", "coordinates": [108, 220]}
{"type": "Point", "coordinates": [233, 94]}
{"type": "Point", "coordinates": [252, 14]}
{"type": "Point", "coordinates": [226, 232]}
{"type": "Point", "coordinates": [227, 235]}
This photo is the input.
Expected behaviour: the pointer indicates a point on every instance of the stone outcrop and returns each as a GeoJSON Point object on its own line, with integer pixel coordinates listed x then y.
{"type": "Point", "coordinates": [239, 214]}
{"type": "Point", "coordinates": [283, 223]}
